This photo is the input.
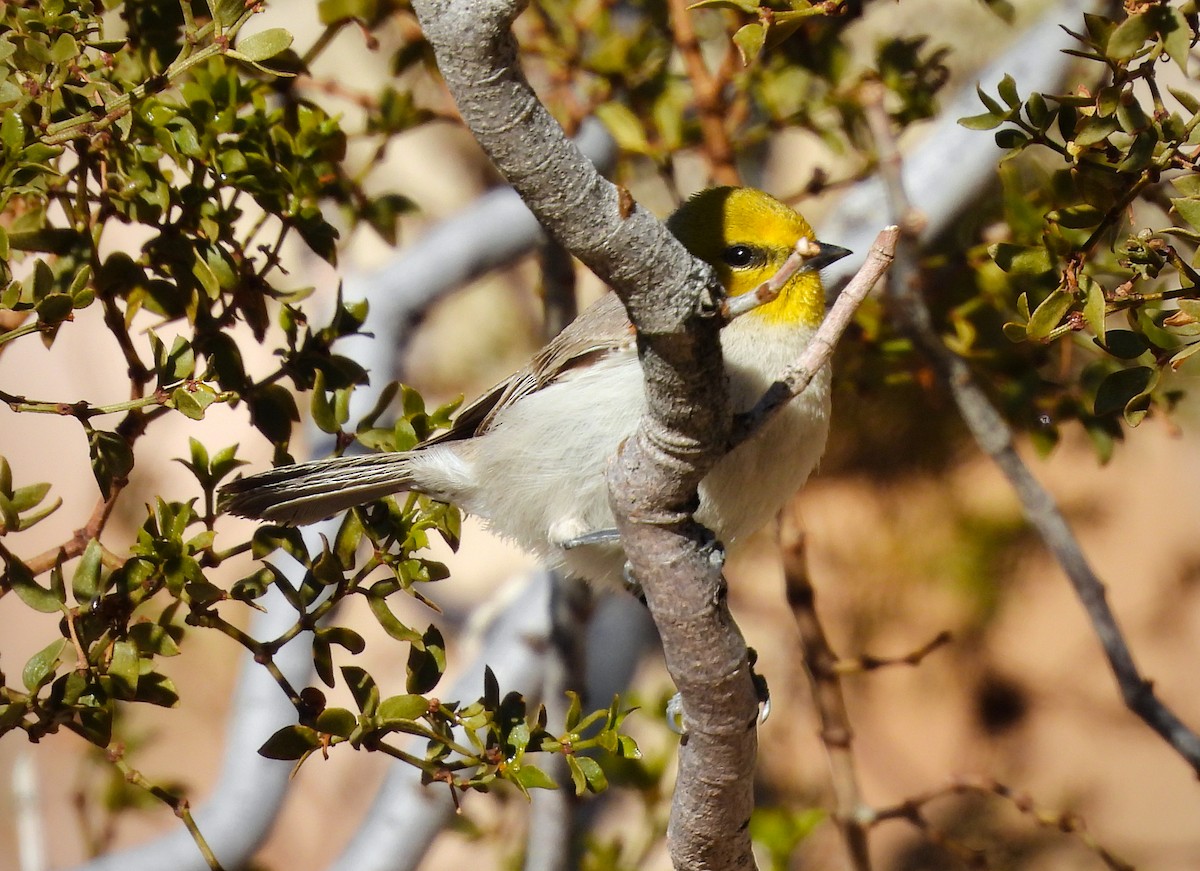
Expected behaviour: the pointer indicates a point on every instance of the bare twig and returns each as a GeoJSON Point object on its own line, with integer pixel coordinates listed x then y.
{"type": "Point", "coordinates": [78, 542]}
{"type": "Point", "coordinates": [1061, 821]}
{"type": "Point", "coordinates": [820, 666]}
{"type": "Point", "coordinates": [736, 306]}
{"type": "Point", "coordinates": [709, 90]}
{"type": "Point", "coordinates": [818, 351]}
{"type": "Point", "coordinates": [995, 438]}
{"type": "Point", "coordinates": [866, 662]}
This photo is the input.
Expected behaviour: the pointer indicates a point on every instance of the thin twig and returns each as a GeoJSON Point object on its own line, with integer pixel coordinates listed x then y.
{"type": "Point", "coordinates": [1060, 821]}
{"type": "Point", "coordinates": [820, 666]}
{"type": "Point", "coordinates": [736, 306]}
{"type": "Point", "coordinates": [78, 542]}
{"type": "Point", "coordinates": [710, 100]}
{"type": "Point", "coordinates": [818, 352]}
{"type": "Point", "coordinates": [866, 662]}
{"type": "Point", "coordinates": [995, 438]}
{"type": "Point", "coordinates": [178, 805]}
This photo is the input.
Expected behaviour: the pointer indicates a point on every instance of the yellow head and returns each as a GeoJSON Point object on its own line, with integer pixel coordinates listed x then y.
{"type": "Point", "coordinates": [746, 235]}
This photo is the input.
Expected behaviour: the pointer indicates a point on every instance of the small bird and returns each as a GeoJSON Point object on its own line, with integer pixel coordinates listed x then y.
{"type": "Point", "coordinates": [529, 456]}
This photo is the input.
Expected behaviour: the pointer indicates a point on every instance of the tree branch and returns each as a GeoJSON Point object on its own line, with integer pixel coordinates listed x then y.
{"type": "Point", "coordinates": [820, 666]}
{"type": "Point", "coordinates": [819, 351]}
{"type": "Point", "coordinates": [995, 438]}
{"type": "Point", "coordinates": [672, 300]}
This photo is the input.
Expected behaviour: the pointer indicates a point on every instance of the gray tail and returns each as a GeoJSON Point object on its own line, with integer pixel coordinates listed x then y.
{"type": "Point", "coordinates": [308, 492]}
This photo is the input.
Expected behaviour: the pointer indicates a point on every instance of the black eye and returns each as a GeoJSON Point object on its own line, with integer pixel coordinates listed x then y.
{"type": "Point", "coordinates": [739, 256]}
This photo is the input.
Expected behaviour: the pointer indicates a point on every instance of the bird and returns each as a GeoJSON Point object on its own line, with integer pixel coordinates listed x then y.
{"type": "Point", "coordinates": [528, 457]}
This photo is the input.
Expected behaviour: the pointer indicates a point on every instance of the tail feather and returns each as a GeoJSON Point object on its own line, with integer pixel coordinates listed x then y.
{"type": "Point", "coordinates": [307, 492]}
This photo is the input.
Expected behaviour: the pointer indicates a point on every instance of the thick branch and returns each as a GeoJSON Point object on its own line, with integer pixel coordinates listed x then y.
{"type": "Point", "coordinates": [672, 300]}
{"type": "Point", "coordinates": [995, 438]}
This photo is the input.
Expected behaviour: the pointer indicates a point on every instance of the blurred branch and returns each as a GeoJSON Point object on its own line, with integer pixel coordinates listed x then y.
{"type": "Point", "coordinates": [558, 288]}
{"type": "Point", "coordinates": [820, 666]}
{"type": "Point", "coordinates": [549, 840]}
{"type": "Point", "coordinates": [995, 438]}
{"type": "Point", "coordinates": [407, 815]}
{"type": "Point", "coordinates": [911, 809]}
{"type": "Point", "coordinates": [493, 231]}
{"type": "Point", "coordinates": [27, 813]}
{"type": "Point", "coordinates": [709, 90]}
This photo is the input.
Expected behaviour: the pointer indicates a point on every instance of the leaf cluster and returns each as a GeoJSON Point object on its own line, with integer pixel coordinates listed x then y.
{"type": "Point", "coordinates": [172, 127]}
{"type": "Point", "coordinates": [1099, 204]}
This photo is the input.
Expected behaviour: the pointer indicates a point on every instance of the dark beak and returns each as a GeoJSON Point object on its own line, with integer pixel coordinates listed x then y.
{"type": "Point", "coordinates": [826, 255]}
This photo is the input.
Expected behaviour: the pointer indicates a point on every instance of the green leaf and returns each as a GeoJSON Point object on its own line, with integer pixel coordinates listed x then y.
{"type": "Point", "coordinates": [29, 590]}
{"type": "Point", "coordinates": [1181, 357]}
{"type": "Point", "coordinates": [1049, 314]}
{"type": "Point", "coordinates": [362, 688]}
{"type": "Point", "coordinates": [155, 688]}
{"type": "Point", "coordinates": [747, 6]}
{"type": "Point", "coordinates": [1125, 344]}
{"type": "Point", "coordinates": [592, 773]}
{"type": "Point", "coordinates": [343, 637]}
{"type": "Point", "coordinates": [1021, 259]}
{"type": "Point", "coordinates": [1186, 99]}
{"type": "Point", "coordinates": [12, 134]}
{"type": "Point", "coordinates": [337, 721]}
{"type": "Point", "coordinates": [1130, 36]}
{"type": "Point", "coordinates": [405, 708]}
{"type": "Point", "coordinates": [264, 45]}
{"type": "Point", "coordinates": [291, 742]}
{"type": "Point", "coordinates": [1177, 36]}
{"type": "Point", "coordinates": [124, 668]}
{"type": "Point", "coordinates": [426, 662]}
{"type": "Point", "coordinates": [152, 639]}
{"type": "Point", "coordinates": [985, 121]}
{"type": "Point", "coordinates": [1188, 209]}
{"type": "Point", "coordinates": [390, 623]}
{"type": "Point", "coordinates": [112, 459]}
{"type": "Point", "coordinates": [1094, 307]}
{"type": "Point", "coordinates": [1008, 92]}
{"type": "Point", "coordinates": [624, 126]}
{"type": "Point", "coordinates": [1117, 391]}
{"type": "Point", "coordinates": [1077, 217]}
{"type": "Point", "coordinates": [322, 657]}
{"type": "Point", "coordinates": [41, 666]}
{"type": "Point", "coordinates": [532, 777]}
{"type": "Point", "coordinates": [322, 409]}
{"type": "Point", "coordinates": [749, 40]}
{"type": "Point", "coordinates": [85, 582]}
{"type": "Point", "coordinates": [65, 48]}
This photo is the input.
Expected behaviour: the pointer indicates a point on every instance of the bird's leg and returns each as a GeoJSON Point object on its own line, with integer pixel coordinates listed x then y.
{"type": "Point", "coordinates": [596, 536]}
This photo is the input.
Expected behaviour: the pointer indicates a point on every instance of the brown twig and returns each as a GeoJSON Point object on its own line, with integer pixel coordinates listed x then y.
{"type": "Point", "coordinates": [818, 352]}
{"type": "Point", "coordinates": [821, 668]}
{"type": "Point", "coordinates": [78, 541]}
{"type": "Point", "coordinates": [709, 91]}
{"type": "Point", "coordinates": [866, 662]}
{"type": "Point", "coordinates": [1061, 821]}
{"type": "Point", "coordinates": [995, 438]}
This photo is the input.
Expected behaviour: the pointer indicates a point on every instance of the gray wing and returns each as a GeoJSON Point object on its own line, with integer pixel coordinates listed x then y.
{"type": "Point", "coordinates": [600, 329]}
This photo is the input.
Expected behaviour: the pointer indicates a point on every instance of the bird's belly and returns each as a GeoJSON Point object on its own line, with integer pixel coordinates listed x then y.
{"type": "Point", "coordinates": [538, 475]}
